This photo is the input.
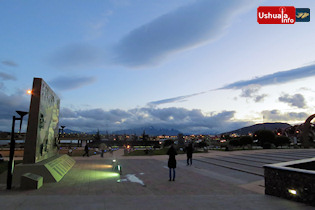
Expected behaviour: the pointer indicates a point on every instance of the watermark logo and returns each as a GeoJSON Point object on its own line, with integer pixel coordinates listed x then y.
{"type": "Point", "coordinates": [282, 15]}
{"type": "Point", "coordinates": [302, 15]}
{"type": "Point", "coordinates": [276, 15]}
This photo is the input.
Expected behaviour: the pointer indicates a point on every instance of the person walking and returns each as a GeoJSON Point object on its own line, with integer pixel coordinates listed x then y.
{"type": "Point", "coordinates": [189, 151]}
{"type": "Point", "coordinates": [171, 161]}
{"type": "Point", "coordinates": [86, 149]}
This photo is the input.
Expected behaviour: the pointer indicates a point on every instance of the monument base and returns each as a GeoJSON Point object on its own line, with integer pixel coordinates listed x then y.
{"type": "Point", "coordinates": [51, 169]}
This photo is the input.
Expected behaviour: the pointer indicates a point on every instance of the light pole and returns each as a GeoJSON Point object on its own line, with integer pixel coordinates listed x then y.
{"type": "Point", "coordinates": [62, 127]}
{"type": "Point", "coordinates": [12, 147]}
{"type": "Point", "coordinates": [60, 132]}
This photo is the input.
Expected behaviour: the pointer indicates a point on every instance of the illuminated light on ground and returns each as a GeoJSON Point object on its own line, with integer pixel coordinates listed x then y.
{"type": "Point", "coordinates": [293, 192]}
{"type": "Point", "coordinates": [97, 166]}
{"type": "Point", "coordinates": [111, 174]}
{"type": "Point", "coordinates": [98, 175]}
{"type": "Point", "coordinates": [107, 166]}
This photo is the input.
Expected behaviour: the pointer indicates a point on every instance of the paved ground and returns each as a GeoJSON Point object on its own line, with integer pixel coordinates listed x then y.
{"type": "Point", "coordinates": [216, 180]}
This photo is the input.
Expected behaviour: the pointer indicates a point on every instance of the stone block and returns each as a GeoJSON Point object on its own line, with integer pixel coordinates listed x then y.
{"type": "Point", "coordinates": [31, 181]}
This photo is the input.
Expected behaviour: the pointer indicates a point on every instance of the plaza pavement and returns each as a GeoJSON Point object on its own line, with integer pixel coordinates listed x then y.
{"type": "Point", "coordinates": [91, 184]}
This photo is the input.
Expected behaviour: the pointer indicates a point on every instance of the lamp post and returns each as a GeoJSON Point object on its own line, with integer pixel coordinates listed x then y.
{"type": "Point", "coordinates": [12, 147]}
{"type": "Point", "coordinates": [62, 127]}
{"type": "Point", "coordinates": [60, 131]}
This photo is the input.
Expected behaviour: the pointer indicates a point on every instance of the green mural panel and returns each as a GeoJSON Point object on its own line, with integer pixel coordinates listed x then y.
{"type": "Point", "coordinates": [42, 132]}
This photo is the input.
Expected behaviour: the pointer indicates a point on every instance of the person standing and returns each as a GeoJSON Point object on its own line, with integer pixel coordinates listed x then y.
{"type": "Point", "coordinates": [70, 151]}
{"type": "Point", "coordinates": [189, 151]}
{"type": "Point", "coordinates": [102, 147]}
{"type": "Point", "coordinates": [86, 149]}
{"type": "Point", "coordinates": [171, 161]}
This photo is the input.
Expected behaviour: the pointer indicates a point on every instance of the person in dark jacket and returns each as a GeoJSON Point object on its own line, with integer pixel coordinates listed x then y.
{"type": "Point", "coordinates": [189, 151]}
{"type": "Point", "coordinates": [171, 161]}
{"type": "Point", "coordinates": [86, 149]}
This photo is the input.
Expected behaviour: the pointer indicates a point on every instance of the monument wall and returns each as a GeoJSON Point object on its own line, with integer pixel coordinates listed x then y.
{"type": "Point", "coordinates": [42, 130]}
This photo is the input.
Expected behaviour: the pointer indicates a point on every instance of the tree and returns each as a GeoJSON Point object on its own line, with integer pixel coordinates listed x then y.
{"type": "Point", "coordinates": [245, 140]}
{"type": "Point", "coordinates": [281, 141]}
{"type": "Point", "coordinates": [234, 142]}
{"type": "Point", "coordinates": [168, 142]}
{"type": "Point", "coordinates": [265, 138]}
{"type": "Point", "coordinates": [97, 136]}
{"type": "Point", "coordinates": [145, 138]}
{"type": "Point", "coordinates": [202, 144]}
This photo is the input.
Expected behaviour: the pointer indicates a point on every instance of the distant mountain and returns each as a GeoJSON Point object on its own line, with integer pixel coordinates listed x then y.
{"type": "Point", "coordinates": [149, 131]}
{"type": "Point", "coordinates": [262, 126]}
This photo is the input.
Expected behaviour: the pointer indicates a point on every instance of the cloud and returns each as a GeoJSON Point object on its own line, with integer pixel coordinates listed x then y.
{"type": "Point", "coordinates": [277, 116]}
{"type": "Point", "coordinates": [67, 113]}
{"type": "Point", "coordinates": [183, 28]}
{"type": "Point", "coordinates": [251, 92]}
{"type": "Point", "coordinates": [188, 121]}
{"type": "Point", "coordinates": [173, 100]}
{"type": "Point", "coordinates": [112, 116]}
{"type": "Point", "coordinates": [71, 82]}
{"type": "Point", "coordinates": [296, 100]}
{"type": "Point", "coordinates": [276, 78]}
{"type": "Point", "coordinates": [186, 27]}
{"type": "Point", "coordinates": [8, 105]}
{"type": "Point", "coordinates": [9, 63]}
{"type": "Point", "coordinates": [78, 55]}
{"type": "Point", "coordinates": [260, 98]}
{"type": "Point", "coordinates": [306, 89]}
{"type": "Point", "coordinates": [249, 87]}
{"type": "Point", "coordinates": [5, 76]}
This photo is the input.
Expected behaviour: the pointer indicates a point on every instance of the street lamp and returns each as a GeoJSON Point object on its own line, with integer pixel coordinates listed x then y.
{"type": "Point", "coordinates": [12, 147]}
{"type": "Point", "coordinates": [61, 130]}
{"type": "Point", "coordinates": [22, 114]}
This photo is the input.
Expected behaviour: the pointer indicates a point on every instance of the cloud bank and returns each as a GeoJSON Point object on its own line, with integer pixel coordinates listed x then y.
{"type": "Point", "coordinates": [249, 87]}
{"type": "Point", "coordinates": [188, 121]}
{"type": "Point", "coordinates": [276, 78]}
{"type": "Point", "coordinates": [172, 100]}
{"type": "Point", "coordinates": [277, 116]}
{"type": "Point", "coordinates": [184, 28]}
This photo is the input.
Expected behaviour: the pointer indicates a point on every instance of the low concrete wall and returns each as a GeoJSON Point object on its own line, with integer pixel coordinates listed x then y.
{"type": "Point", "coordinates": [293, 180]}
